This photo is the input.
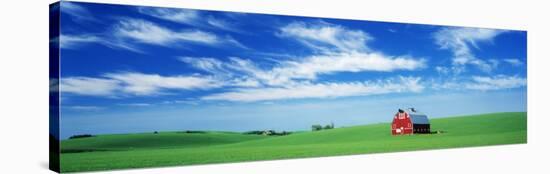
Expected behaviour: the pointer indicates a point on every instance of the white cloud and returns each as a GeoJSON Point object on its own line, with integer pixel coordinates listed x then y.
{"type": "Point", "coordinates": [190, 17]}
{"type": "Point", "coordinates": [321, 90]}
{"type": "Point", "coordinates": [493, 63]}
{"type": "Point", "coordinates": [152, 84]}
{"type": "Point", "coordinates": [293, 78]}
{"type": "Point", "coordinates": [310, 67]}
{"type": "Point", "coordinates": [442, 70]}
{"type": "Point", "coordinates": [89, 86]}
{"type": "Point", "coordinates": [343, 50]}
{"type": "Point", "coordinates": [325, 36]}
{"type": "Point", "coordinates": [307, 68]}
{"type": "Point", "coordinates": [514, 62]}
{"type": "Point", "coordinates": [207, 64]}
{"type": "Point", "coordinates": [150, 33]}
{"type": "Point", "coordinates": [222, 24]}
{"type": "Point", "coordinates": [244, 68]}
{"type": "Point", "coordinates": [73, 41]}
{"type": "Point", "coordinates": [346, 52]}
{"type": "Point", "coordinates": [85, 108]}
{"type": "Point", "coordinates": [77, 12]}
{"type": "Point", "coordinates": [136, 104]}
{"type": "Point", "coordinates": [496, 83]}
{"type": "Point", "coordinates": [185, 16]}
{"type": "Point", "coordinates": [68, 41]}
{"type": "Point", "coordinates": [461, 41]}
{"type": "Point", "coordinates": [234, 72]}
{"type": "Point", "coordinates": [245, 82]}
{"type": "Point", "coordinates": [128, 32]}
{"type": "Point", "coordinates": [141, 31]}
{"type": "Point", "coordinates": [186, 101]}
{"type": "Point", "coordinates": [481, 83]}
{"type": "Point", "coordinates": [132, 83]}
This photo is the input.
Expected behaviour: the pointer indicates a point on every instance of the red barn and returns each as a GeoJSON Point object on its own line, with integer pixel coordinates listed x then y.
{"type": "Point", "coordinates": [409, 121]}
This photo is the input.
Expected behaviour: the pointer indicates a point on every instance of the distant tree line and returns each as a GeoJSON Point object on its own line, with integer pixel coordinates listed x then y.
{"type": "Point", "coordinates": [318, 127]}
{"type": "Point", "coordinates": [81, 136]}
{"type": "Point", "coordinates": [267, 132]}
{"type": "Point", "coordinates": [193, 132]}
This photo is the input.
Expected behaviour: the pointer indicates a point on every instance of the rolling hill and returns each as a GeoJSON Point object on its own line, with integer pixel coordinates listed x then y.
{"type": "Point", "coordinates": [173, 148]}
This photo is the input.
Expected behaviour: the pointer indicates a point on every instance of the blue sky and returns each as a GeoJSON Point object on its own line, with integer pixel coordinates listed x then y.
{"type": "Point", "coordinates": [137, 69]}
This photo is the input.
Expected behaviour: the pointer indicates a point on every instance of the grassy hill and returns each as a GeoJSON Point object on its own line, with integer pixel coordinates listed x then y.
{"type": "Point", "coordinates": [171, 148]}
{"type": "Point", "coordinates": [162, 140]}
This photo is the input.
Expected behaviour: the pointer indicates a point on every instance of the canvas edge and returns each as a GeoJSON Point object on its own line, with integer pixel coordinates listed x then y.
{"type": "Point", "coordinates": [54, 33]}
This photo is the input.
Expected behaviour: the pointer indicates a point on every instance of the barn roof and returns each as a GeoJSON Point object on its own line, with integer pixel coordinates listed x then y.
{"type": "Point", "coordinates": [419, 119]}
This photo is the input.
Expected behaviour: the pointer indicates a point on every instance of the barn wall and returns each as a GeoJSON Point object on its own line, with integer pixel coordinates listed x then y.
{"type": "Point", "coordinates": [401, 122]}
{"type": "Point", "coordinates": [421, 128]}
{"type": "Point", "coordinates": [404, 121]}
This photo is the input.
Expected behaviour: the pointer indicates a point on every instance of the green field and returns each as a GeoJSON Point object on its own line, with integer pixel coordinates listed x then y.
{"type": "Point", "coordinates": [105, 152]}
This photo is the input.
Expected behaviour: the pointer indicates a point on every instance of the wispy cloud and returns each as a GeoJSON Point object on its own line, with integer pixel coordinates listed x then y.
{"type": "Point", "coordinates": [481, 83]}
{"type": "Point", "coordinates": [307, 68]}
{"type": "Point", "coordinates": [141, 31]}
{"type": "Point", "coordinates": [496, 82]}
{"type": "Point", "coordinates": [244, 82]}
{"type": "Point", "coordinates": [77, 12]}
{"type": "Point", "coordinates": [74, 42]}
{"type": "Point", "coordinates": [133, 83]}
{"type": "Point", "coordinates": [208, 64]}
{"type": "Point", "coordinates": [68, 41]}
{"type": "Point", "coordinates": [150, 33]}
{"type": "Point", "coordinates": [128, 33]}
{"type": "Point", "coordinates": [151, 84]}
{"type": "Point", "coordinates": [310, 67]}
{"type": "Point", "coordinates": [340, 50]}
{"type": "Point", "coordinates": [321, 90]}
{"type": "Point", "coordinates": [295, 77]}
{"type": "Point", "coordinates": [85, 108]}
{"type": "Point", "coordinates": [461, 41]}
{"type": "Point", "coordinates": [323, 36]}
{"type": "Point", "coordinates": [186, 16]}
{"type": "Point", "coordinates": [136, 104]}
{"type": "Point", "coordinates": [89, 86]}
{"type": "Point", "coordinates": [186, 101]}
{"type": "Point", "coordinates": [441, 70]}
{"type": "Point", "coordinates": [190, 17]}
{"type": "Point", "coordinates": [223, 24]}
{"type": "Point", "coordinates": [514, 62]}
{"type": "Point", "coordinates": [235, 73]}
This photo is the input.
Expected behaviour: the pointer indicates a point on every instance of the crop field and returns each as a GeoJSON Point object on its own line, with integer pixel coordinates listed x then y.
{"type": "Point", "coordinates": [123, 151]}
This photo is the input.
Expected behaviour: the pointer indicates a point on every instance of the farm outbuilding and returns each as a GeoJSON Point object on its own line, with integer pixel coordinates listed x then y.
{"type": "Point", "coordinates": [410, 121]}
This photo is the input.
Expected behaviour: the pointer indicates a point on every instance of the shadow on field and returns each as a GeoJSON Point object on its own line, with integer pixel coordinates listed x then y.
{"type": "Point", "coordinates": [81, 150]}
{"type": "Point", "coordinates": [438, 132]}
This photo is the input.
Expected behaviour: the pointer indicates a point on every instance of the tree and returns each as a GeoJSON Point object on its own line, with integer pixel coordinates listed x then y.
{"type": "Point", "coordinates": [81, 136]}
{"type": "Point", "coordinates": [316, 127]}
{"type": "Point", "coordinates": [328, 126]}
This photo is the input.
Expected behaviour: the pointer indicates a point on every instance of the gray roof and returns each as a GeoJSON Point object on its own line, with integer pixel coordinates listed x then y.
{"type": "Point", "coordinates": [416, 116]}
{"type": "Point", "coordinates": [419, 118]}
